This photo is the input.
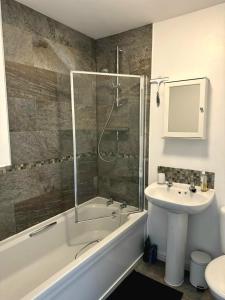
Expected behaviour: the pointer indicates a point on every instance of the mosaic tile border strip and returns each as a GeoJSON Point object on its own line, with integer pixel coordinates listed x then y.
{"type": "Point", "coordinates": [119, 155]}
{"type": "Point", "coordinates": [184, 175]}
{"type": "Point", "coordinates": [51, 161]}
{"type": "Point", "coordinates": [35, 164]}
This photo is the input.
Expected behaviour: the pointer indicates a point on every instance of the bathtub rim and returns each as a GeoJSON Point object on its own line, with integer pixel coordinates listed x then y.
{"type": "Point", "coordinates": [11, 241]}
{"type": "Point", "coordinates": [90, 255]}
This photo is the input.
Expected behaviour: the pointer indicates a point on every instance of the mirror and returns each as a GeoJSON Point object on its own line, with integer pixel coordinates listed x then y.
{"type": "Point", "coordinates": [5, 156]}
{"type": "Point", "coordinates": [185, 108]}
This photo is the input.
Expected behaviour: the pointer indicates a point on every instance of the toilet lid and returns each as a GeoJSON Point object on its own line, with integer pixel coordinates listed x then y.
{"type": "Point", "coordinates": [215, 275]}
{"type": "Point", "coordinates": [200, 258]}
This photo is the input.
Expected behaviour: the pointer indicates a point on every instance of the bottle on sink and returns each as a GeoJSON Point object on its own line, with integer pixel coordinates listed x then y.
{"type": "Point", "coordinates": [204, 183]}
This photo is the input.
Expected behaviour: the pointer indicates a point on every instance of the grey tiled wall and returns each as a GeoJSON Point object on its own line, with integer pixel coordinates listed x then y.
{"type": "Point", "coordinates": [119, 179]}
{"type": "Point", "coordinates": [39, 53]}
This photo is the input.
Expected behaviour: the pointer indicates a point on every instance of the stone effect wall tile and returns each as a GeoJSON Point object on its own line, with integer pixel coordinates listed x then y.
{"type": "Point", "coordinates": [34, 195]}
{"type": "Point", "coordinates": [22, 114]}
{"type": "Point", "coordinates": [39, 54]}
{"type": "Point", "coordinates": [119, 179]}
{"type": "Point", "coordinates": [21, 185]}
{"type": "Point", "coordinates": [53, 56]}
{"type": "Point", "coordinates": [17, 45]}
{"type": "Point", "coordinates": [136, 58]}
{"type": "Point", "coordinates": [7, 219]}
{"type": "Point", "coordinates": [35, 210]}
{"type": "Point", "coordinates": [27, 19]}
{"type": "Point", "coordinates": [71, 38]}
{"type": "Point", "coordinates": [22, 81]}
{"type": "Point", "coordinates": [33, 146]}
{"type": "Point", "coordinates": [185, 175]}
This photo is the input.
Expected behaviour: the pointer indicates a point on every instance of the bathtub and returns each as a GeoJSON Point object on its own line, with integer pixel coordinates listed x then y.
{"type": "Point", "coordinates": [62, 260]}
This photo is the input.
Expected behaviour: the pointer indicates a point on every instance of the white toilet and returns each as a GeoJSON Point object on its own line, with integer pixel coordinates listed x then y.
{"type": "Point", "coordinates": [215, 271]}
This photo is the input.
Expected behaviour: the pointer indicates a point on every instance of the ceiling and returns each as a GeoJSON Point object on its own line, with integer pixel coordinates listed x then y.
{"type": "Point", "coordinates": [100, 18]}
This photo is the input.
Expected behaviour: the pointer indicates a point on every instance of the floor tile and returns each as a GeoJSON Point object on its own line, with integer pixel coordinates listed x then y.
{"type": "Point", "coordinates": [156, 272]}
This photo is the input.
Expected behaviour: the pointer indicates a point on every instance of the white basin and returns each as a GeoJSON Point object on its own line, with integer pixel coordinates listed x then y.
{"type": "Point", "coordinates": [179, 203]}
{"type": "Point", "coordinates": [178, 198]}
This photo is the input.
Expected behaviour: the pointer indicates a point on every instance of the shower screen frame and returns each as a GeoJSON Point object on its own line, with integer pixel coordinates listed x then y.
{"type": "Point", "coordinates": [142, 129]}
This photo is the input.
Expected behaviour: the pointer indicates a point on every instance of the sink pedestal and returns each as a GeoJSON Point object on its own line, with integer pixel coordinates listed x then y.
{"type": "Point", "coordinates": [179, 202]}
{"type": "Point", "coordinates": [176, 248]}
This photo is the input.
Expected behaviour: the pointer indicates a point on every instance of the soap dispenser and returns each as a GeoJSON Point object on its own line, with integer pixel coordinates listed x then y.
{"type": "Point", "coordinates": [204, 184]}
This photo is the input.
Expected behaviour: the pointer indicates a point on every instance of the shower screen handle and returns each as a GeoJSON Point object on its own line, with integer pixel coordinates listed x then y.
{"type": "Point", "coordinates": [40, 230]}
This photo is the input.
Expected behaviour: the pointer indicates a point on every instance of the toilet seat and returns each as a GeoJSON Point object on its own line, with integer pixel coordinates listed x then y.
{"type": "Point", "coordinates": [215, 277]}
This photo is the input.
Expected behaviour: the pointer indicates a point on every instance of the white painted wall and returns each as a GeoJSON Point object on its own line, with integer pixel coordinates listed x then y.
{"type": "Point", "coordinates": [5, 154]}
{"type": "Point", "coordinates": [192, 45]}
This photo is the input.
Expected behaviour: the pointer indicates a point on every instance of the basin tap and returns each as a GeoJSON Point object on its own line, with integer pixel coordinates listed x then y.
{"type": "Point", "coordinates": [123, 205]}
{"type": "Point", "coordinates": [169, 182]}
{"type": "Point", "coordinates": [109, 202]}
{"type": "Point", "coordinates": [192, 187]}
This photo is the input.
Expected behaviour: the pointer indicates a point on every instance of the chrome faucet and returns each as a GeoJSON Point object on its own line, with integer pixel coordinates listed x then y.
{"type": "Point", "coordinates": [169, 182]}
{"type": "Point", "coordinates": [109, 202]}
{"type": "Point", "coordinates": [123, 205]}
{"type": "Point", "coordinates": [192, 187]}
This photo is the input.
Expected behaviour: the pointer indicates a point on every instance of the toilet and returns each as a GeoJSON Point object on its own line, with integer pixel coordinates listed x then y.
{"type": "Point", "coordinates": [215, 271]}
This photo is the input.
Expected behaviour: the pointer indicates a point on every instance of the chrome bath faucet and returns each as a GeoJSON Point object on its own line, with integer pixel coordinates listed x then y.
{"type": "Point", "coordinates": [169, 182]}
{"type": "Point", "coordinates": [123, 205]}
{"type": "Point", "coordinates": [109, 202]}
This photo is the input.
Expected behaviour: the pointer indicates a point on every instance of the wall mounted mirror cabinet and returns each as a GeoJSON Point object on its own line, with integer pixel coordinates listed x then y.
{"type": "Point", "coordinates": [185, 108]}
{"type": "Point", "coordinates": [5, 156]}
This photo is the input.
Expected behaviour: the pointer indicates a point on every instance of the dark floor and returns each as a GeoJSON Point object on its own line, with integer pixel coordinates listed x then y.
{"type": "Point", "coordinates": [156, 272]}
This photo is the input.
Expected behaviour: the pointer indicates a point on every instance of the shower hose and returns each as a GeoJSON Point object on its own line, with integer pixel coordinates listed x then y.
{"type": "Point", "coordinates": [102, 134]}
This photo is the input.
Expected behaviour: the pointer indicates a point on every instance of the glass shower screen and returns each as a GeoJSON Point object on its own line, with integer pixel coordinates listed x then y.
{"type": "Point", "coordinates": [108, 114]}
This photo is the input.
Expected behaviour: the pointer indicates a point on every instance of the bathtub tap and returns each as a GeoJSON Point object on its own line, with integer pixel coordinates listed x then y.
{"type": "Point", "coordinates": [109, 202]}
{"type": "Point", "coordinates": [123, 205]}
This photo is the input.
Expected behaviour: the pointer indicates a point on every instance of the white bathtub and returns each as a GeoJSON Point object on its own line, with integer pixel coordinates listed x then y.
{"type": "Point", "coordinates": [58, 264]}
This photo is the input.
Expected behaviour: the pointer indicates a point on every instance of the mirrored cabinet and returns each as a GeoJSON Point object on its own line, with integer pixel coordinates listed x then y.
{"type": "Point", "coordinates": [185, 109]}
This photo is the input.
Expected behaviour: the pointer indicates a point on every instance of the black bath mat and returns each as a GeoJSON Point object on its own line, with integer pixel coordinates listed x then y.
{"type": "Point", "coordinates": [138, 286]}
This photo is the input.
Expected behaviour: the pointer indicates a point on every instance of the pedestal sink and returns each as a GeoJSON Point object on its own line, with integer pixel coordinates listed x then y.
{"type": "Point", "coordinates": [179, 203]}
